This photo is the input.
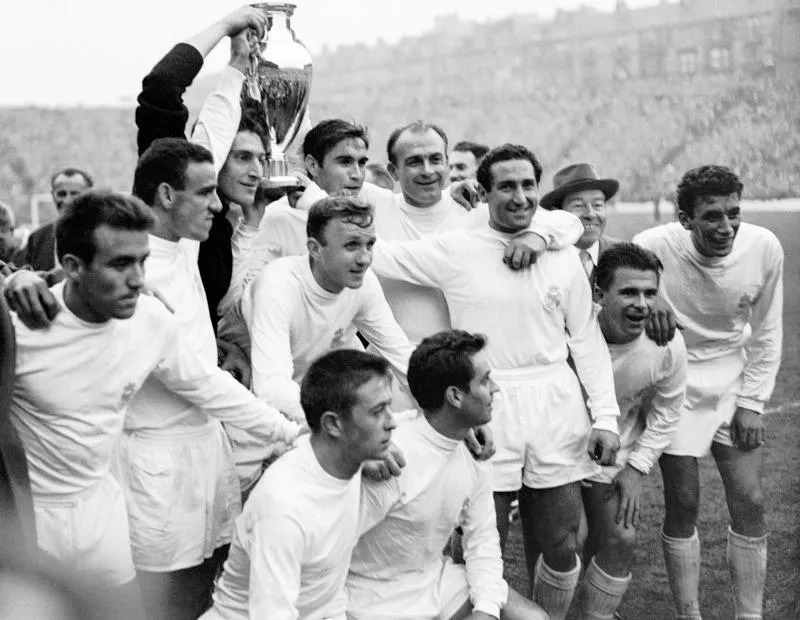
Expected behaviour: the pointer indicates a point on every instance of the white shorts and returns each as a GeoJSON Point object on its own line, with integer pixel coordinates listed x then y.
{"type": "Point", "coordinates": [404, 599]}
{"type": "Point", "coordinates": [182, 494]}
{"type": "Point", "coordinates": [541, 429]}
{"type": "Point", "coordinates": [88, 533]}
{"type": "Point", "coordinates": [711, 392]}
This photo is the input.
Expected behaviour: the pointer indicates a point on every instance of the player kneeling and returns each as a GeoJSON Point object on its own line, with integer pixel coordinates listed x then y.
{"type": "Point", "coordinates": [650, 385]}
{"type": "Point", "coordinates": [397, 569]}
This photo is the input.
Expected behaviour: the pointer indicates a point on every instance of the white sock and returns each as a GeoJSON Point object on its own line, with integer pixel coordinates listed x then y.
{"type": "Point", "coordinates": [553, 591]}
{"type": "Point", "coordinates": [682, 557]}
{"type": "Point", "coordinates": [601, 593]}
{"type": "Point", "coordinates": [747, 563]}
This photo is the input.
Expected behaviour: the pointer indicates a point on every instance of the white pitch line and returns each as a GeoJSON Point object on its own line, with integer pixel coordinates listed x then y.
{"type": "Point", "coordinates": [784, 408]}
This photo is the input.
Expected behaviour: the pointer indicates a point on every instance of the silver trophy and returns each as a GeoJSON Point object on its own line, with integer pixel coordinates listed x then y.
{"type": "Point", "coordinates": [280, 79]}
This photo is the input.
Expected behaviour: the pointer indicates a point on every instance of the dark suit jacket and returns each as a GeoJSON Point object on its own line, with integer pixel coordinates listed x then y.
{"type": "Point", "coordinates": [606, 242]}
{"type": "Point", "coordinates": [17, 529]}
{"type": "Point", "coordinates": [40, 252]}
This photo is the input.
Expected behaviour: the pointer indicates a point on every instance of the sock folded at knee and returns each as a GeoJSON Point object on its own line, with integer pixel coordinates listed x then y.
{"type": "Point", "coordinates": [747, 564]}
{"type": "Point", "coordinates": [682, 557]}
{"type": "Point", "coordinates": [602, 593]}
{"type": "Point", "coordinates": [552, 590]}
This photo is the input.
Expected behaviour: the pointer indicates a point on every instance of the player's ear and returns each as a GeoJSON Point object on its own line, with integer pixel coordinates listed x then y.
{"type": "Point", "coordinates": [331, 423]}
{"type": "Point", "coordinates": [392, 171]}
{"type": "Point", "coordinates": [598, 295]}
{"type": "Point", "coordinates": [165, 195]}
{"type": "Point", "coordinates": [72, 266]}
{"type": "Point", "coordinates": [312, 166]}
{"type": "Point", "coordinates": [685, 219]}
{"type": "Point", "coordinates": [314, 246]}
{"type": "Point", "coordinates": [453, 397]}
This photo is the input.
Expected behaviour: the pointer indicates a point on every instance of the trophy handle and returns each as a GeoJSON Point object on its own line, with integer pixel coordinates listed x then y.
{"type": "Point", "coordinates": [252, 70]}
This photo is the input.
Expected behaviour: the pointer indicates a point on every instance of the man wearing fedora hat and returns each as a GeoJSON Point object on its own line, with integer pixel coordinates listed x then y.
{"type": "Point", "coordinates": [580, 190]}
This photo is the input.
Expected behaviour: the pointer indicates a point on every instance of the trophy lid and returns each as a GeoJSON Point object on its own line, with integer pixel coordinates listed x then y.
{"type": "Point", "coordinates": [282, 7]}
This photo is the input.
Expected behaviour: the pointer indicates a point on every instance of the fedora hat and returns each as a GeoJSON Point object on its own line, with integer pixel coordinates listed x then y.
{"type": "Point", "coordinates": [576, 178]}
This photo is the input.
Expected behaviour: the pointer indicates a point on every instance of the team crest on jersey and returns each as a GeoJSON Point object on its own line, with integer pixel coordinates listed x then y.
{"type": "Point", "coordinates": [336, 342]}
{"type": "Point", "coordinates": [553, 299]}
{"type": "Point", "coordinates": [127, 394]}
{"type": "Point", "coordinates": [744, 307]}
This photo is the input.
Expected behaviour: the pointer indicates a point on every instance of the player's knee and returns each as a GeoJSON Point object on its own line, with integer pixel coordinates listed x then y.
{"type": "Point", "coordinates": [620, 544]}
{"type": "Point", "coordinates": [748, 509]}
{"type": "Point", "coordinates": [563, 546]}
{"type": "Point", "coordinates": [682, 507]}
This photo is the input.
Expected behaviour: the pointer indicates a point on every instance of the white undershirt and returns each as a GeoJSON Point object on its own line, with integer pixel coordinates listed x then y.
{"type": "Point", "coordinates": [726, 305]}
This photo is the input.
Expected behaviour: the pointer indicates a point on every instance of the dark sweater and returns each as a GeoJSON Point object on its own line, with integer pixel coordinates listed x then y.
{"type": "Point", "coordinates": [161, 113]}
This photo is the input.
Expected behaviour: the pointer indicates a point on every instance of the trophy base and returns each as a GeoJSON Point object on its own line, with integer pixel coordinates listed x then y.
{"type": "Point", "coordinates": [283, 182]}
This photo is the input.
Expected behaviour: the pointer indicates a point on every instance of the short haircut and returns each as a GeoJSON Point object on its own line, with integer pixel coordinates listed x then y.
{"type": "Point", "coordinates": [505, 152]}
{"type": "Point", "coordinates": [255, 120]}
{"type": "Point", "coordinates": [165, 161]}
{"type": "Point", "coordinates": [332, 380]}
{"type": "Point", "coordinates": [6, 215]}
{"type": "Point", "coordinates": [414, 127]}
{"type": "Point", "coordinates": [623, 255]}
{"type": "Point", "coordinates": [704, 182]}
{"type": "Point", "coordinates": [323, 137]}
{"type": "Point", "coordinates": [381, 174]}
{"type": "Point", "coordinates": [441, 361]}
{"type": "Point", "coordinates": [79, 219]}
{"type": "Point", "coordinates": [71, 171]}
{"type": "Point", "coordinates": [477, 150]}
{"type": "Point", "coordinates": [349, 209]}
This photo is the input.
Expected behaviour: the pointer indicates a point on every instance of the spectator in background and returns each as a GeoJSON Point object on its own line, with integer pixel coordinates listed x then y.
{"type": "Point", "coordinates": [378, 175]}
{"type": "Point", "coordinates": [7, 241]}
{"type": "Point", "coordinates": [40, 251]}
{"type": "Point", "coordinates": [465, 159]}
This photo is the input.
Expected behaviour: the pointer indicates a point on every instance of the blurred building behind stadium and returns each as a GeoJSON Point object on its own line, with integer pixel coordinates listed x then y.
{"type": "Point", "coordinates": [644, 93]}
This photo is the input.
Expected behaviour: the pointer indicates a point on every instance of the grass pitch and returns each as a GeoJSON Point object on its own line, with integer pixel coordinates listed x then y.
{"type": "Point", "coordinates": [648, 596]}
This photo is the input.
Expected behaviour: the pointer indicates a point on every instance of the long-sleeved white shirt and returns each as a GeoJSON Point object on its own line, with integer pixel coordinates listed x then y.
{"type": "Point", "coordinates": [218, 121]}
{"type": "Point", "coordinates": [532, 317]}
{"type": "Point", "coordinates": [727, 305]}
{"type": "Point", "coordinates": [173, 270]}
{"type": "Point", "coordinates": [75, 381]}
{"type": "Point", "coordinates": [422, 311]}
{"type": "Point", "coordinates": [650, 384]}
{"type": "Point", "coordinates": [292, 544]}
{"type": "Point", "coordinates": [406, 522]}
{"type": "Point", "coordinates": [292, 320]}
